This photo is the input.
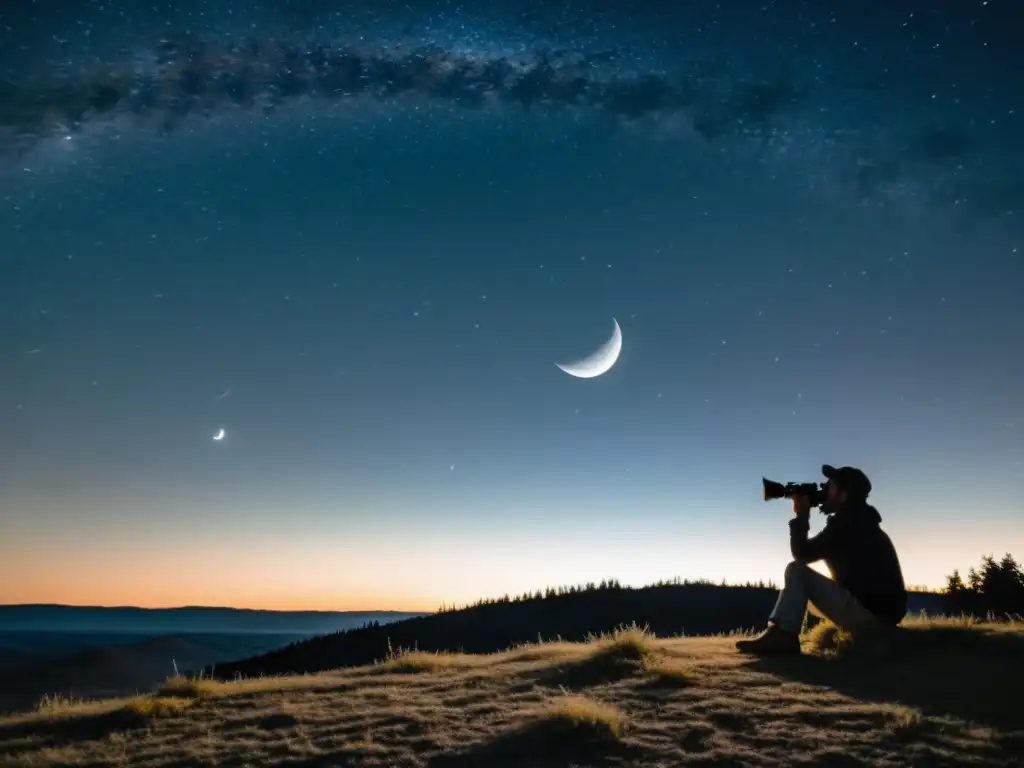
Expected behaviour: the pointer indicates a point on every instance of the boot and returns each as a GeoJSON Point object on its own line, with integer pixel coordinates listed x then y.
{"type": "Point", "coordinates": [773, 641]}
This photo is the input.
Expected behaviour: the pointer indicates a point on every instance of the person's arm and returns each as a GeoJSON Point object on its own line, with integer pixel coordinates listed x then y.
{"type": "Point", "coordinates": [808, 550]}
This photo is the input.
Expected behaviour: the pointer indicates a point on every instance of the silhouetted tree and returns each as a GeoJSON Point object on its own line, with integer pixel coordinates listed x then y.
{"type": "Point", "coordinates": [996, 589]}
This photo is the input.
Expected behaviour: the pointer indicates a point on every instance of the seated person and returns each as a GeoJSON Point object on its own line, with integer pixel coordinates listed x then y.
{"type": "Point", "coordinates": [866, 589]}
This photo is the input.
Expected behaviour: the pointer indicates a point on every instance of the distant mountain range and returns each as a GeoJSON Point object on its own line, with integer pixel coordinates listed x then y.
{"type": "Point", "coordinates": [94, 652]}
{"type": "Point", "coordinates": [187, 619]}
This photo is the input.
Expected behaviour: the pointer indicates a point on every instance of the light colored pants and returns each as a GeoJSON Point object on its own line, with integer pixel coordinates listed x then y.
{"type": "Point", "coordinates": [827, 599]}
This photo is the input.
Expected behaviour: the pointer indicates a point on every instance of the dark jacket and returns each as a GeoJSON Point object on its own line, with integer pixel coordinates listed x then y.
{"type": "Point", "coordinates": [859, 555]}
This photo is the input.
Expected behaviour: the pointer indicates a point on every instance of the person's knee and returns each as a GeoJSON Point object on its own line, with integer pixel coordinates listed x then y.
{"type": "Point", "coordinates": [795, 571]}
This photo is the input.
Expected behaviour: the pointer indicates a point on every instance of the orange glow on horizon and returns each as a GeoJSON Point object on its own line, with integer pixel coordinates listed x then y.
{"type": "Point", "coordinates": [332, 574]}
{"type": "Point", "coordinates": [157, 594]}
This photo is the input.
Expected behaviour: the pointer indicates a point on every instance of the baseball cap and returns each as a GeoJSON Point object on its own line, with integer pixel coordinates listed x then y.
{"type": "Point", "coordinates": [850, 479]}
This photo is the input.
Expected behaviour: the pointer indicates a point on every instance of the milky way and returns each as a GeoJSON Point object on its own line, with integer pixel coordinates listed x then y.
{"type": "Point", "coordinates": [947, 153]}
{"type": "Point", "coordinates": [203, 78]}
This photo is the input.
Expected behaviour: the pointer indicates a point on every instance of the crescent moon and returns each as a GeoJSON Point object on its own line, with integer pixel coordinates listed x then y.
{"type": "Point", "coordinates": [219, 435]}
{"type": "Point", "coordinates": [599, 361]}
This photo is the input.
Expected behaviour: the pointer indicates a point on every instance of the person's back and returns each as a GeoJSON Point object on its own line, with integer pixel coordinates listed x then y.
{"type": "Point", "coordinates": [861, 557]}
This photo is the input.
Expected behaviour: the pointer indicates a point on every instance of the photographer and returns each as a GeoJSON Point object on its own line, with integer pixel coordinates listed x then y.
{"type": "Point", "coordinates": [866, 589]}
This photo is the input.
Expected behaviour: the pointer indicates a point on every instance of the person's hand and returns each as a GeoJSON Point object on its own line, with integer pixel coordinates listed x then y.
{"type": "Point", "coordinates": [802, 506]}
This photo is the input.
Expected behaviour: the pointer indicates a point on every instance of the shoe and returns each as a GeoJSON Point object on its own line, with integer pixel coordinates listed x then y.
{"type": "Point", "coordinates": [773, 641]}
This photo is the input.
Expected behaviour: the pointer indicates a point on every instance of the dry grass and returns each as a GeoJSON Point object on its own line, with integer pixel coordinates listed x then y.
{"type": "Point", "coordinates": [52, 704]}
{"type": "Point", "coordinates": [157, 706]}
{"type": "Point", "coordinates": [412, 660]}
{"type": "Point", "coordinates": [574, 711]}
{"type": "Point", "coordinates": [828, 639]}
{"type": "Point", "coordinates": [183, 687]}
{"type": "Point", "coordinates": [935, 693]}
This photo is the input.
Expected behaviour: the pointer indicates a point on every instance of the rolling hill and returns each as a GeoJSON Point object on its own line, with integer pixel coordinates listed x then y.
{"type": "Point", "coordinates": [572, 614]}
{"type": "Point", "coordinates": [938, 693]}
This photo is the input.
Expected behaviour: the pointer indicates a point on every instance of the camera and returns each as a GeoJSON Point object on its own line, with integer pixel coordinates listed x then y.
{"type": "Point", "coordinates": [813, 491]}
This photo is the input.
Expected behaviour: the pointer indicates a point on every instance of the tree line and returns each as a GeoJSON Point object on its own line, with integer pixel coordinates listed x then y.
{"type": "Point", "coordinates": [995, 589]}
{"type": "Point", "coordinates": [590, 587]}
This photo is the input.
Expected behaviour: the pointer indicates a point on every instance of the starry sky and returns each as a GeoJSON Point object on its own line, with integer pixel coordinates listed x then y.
{"type": "Point", "coordinates": [358, 240]}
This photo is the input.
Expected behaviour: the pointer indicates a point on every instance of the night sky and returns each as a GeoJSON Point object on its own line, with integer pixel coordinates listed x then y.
{"type": "Point", "coordinates": [359, 239]}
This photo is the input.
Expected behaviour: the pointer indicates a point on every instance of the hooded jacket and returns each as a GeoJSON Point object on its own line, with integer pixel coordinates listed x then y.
{"type": "Point", "coordinates": [859, 555]}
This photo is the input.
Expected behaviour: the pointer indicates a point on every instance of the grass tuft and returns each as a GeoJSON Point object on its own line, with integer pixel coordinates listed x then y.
{"type": "Point", "coordinates": [905, 721]}
{"type": "Point", "coordinates": [157, 706]}
{"type": "Point", "coordinates": [669, 674]}
{"type": "Point", "coordinates": [826, 639]}
{"type": "Point", "coordinates": [58, 703]}
{"type": "Point", "coordinates": [628, 642]}
{"type": "Point", "coordinates": [183, 687]}
{"type": "Point", "coordinates": [605, 658]}
{"type": "Point", "coordinates": [584, 715]}
{"type": "Point", "coordinates": [412, 660]}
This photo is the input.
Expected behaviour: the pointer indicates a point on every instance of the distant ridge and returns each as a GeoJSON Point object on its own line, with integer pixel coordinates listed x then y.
{"type": "Point", "coordinates": [69, 606]}
{"type": "Point", "coordinates": [89, 607]}
{"type": "Point", "coordinates": [190, 619]}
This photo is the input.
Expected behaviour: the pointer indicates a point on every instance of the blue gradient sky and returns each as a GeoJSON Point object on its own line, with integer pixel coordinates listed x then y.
{"type": "Point", "coordinates": [382, 291]}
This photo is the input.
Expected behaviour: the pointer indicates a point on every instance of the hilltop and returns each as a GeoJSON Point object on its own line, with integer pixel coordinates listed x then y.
{"type": "Point", "coordinates": [936, 692]}
{"type": "Point", "coordinates": [567, 613]}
